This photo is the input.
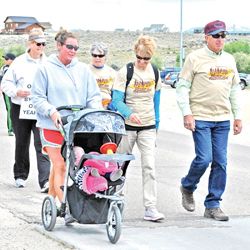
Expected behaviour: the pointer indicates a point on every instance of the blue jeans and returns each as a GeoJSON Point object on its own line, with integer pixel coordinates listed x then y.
{"type": "Point", "coordinates": [210, 140]}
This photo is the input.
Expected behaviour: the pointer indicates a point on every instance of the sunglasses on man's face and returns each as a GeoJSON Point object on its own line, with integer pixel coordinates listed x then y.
{"type": "Point", "coordinates": [71, 47]}
{"type": "Point", "coordinates": [216, 36]}
{"type": "Point", "coordinates": [40, 44]}
{"type": "Point", "coordinates": [100, 56]}
{"type": "Point", "coordinates": [143, 58]}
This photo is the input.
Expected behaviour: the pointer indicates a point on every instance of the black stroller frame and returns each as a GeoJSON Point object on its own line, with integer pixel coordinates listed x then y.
{"type": "Point", "coordinates": [90, 129]}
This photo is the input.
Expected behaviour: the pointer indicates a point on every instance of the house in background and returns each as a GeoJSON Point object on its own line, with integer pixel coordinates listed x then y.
{"type": "Point", "coordinates": [22, 24]}
{"type": "Point", "coordinates": [156, 28]}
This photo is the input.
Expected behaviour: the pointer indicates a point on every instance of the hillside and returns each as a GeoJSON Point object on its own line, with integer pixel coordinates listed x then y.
{"type": "Point", "coordinates": [121, 44]}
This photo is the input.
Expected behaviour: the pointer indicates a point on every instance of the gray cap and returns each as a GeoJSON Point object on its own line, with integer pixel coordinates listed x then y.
{"type": "Point", "coordinates": [36, 34]}
{"type": "Point", "coordinates": [99, 47]}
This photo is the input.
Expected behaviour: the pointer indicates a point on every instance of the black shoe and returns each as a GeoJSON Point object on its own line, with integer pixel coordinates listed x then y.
{"type": "Point", "coordinates": [215, 213]}
{"type": "Point", "coordinates": [187, 199]}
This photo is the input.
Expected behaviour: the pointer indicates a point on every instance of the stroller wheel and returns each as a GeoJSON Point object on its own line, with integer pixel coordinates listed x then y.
{"type": "Point", "coordinates": [113, 225]}
{"type": "Point", "coordinates": [49, 213]}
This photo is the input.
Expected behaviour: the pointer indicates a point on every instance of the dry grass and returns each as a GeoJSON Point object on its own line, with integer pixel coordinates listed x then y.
{"type": "Point", "coordinates": [121, 43]}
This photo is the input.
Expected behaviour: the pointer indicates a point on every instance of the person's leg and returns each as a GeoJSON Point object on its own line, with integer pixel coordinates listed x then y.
{"type": "Point", "coordinates": [56, 179]}
{"type": "Point", "coordinates": [146, 144]}
{"type": "Point", "coordinates": [203, 151]}
{"type": "Point", "coordinates": [8, 109]}
{"type": "Point", "coordinates": [127, 143]}
{"type": "Point", "coordinates": [43, 163]}
{"type": "Point", "coordinates": [22, 130]}
{"type": "Point", "coordinates": [218, 175]}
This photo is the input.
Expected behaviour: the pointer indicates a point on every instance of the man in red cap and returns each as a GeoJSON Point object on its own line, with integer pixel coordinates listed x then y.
{"type": "Point", "coordinates": [207, 93]}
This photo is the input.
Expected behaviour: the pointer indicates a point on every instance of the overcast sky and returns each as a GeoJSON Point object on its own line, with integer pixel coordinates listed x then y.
{"type": "Point", "coordinates": [128, 14]}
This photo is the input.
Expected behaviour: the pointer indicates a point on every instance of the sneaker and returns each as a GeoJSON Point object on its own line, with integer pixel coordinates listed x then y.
{"type": "Point", "coordinates": [68, 218]}
{"type": "Point", "coordinates": [10, 133]}
{"type": "Point", "coordinates": [215, 213]}
{"type": "Point", "coordinates": [45, 187]}
{"type": "Point", "coordinates": [151, 214]}
{"type": "Point", "coordinates": [116, 175]}
{"type": "Point", "coordinates": [187, 199]}
{"type": "Point", "coordinates": [20, 183]}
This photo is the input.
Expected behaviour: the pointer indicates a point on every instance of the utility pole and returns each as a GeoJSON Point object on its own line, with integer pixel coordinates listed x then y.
{"type": "Point", "coordinates": [181, 36]}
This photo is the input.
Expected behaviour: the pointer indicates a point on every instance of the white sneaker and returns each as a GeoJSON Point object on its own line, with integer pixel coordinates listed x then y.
{"type": "Point", "coordinates": [152, 214]}
{"type": "Point", "coordinates": [116, 175]}
{"type": "Point", "coordinates": [20, 183]}
{"type": "Point", "coordinates": [45, 188]}
{"type": "Point", "coordinates": [68, 218]}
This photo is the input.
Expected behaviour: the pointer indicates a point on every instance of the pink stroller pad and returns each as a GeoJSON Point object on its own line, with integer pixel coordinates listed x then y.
{"type": "Point", "coordinates": [78, 151]}
{"type": "Point", "coordinates": [102, 166]}
{"type": "Point", "coordinates": [95, 184]}
{"type": "Point", "coordinates": [81, 179]}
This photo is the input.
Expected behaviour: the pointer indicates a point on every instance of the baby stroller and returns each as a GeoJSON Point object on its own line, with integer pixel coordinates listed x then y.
{"type": "Point", "coordinates": [98, 131]}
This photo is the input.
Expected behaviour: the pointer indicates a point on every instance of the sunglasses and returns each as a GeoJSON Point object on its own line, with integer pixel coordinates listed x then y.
{"type": "Point", "coordinates": [100, 56]}
{"type": "Point", "coordinates": [70, 47]}
{"type": "Point", "coordinates": [143, 58]}
{"type": "Point", "coordinates": [216, 36]}
{"type": "Point", "coordinates": [40, 44]}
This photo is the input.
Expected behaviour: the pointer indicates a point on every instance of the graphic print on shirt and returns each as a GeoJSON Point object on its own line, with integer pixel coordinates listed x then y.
{"type": "Point", "coordinates": [105, 84]}
{"type": "Point", "coordinates": [140, 86]}
{"type": "Point", "coordinates": [220, 73]}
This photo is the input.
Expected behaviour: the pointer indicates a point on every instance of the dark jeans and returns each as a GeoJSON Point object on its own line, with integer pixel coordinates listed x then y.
{"type": "Point", "coordinates": [22, 129]}
{"type": "Point", "coordinates": [211, 140]}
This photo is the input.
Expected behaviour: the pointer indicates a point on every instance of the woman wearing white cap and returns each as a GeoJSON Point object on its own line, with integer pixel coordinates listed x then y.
{"type": "Point", "coordinates": [16, 83]}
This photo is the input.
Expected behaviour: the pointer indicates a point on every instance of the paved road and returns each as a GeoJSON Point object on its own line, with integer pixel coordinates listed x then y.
{"type": "Point", "coordinates": [180, 230]}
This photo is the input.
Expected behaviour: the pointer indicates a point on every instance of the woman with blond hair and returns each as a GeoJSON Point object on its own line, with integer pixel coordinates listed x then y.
{"type": "Point", "coordinates": [138, 101]}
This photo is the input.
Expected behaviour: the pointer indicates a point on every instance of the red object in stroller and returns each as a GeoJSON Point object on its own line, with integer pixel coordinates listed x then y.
{"type": "Point", "coordinates": [93, 130]}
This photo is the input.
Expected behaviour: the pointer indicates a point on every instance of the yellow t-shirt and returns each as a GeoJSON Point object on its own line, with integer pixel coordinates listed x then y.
{"type": "Point", "coordinates": [105, 78]}
{"type": "Point", "coordinates": [140, 93]}
{"type": "Point", "coordinates": [212, 77]}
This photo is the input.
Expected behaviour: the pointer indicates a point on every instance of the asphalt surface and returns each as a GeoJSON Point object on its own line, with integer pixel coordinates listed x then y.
{"type": "Point", "coordinates": [20, 209]}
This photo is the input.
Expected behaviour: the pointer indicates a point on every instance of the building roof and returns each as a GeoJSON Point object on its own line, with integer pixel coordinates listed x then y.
{"type": "Point", "coordinates": [24, 26]}
{"type": "Point", "coordinates": [21, 19]}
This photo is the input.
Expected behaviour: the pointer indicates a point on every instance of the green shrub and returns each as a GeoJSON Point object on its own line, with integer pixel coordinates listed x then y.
{"type": "Point", "coordinates": [15, 49]}
{"type": "Point", "coordinates": [156, 60]}
{"type": "Point", "coordinates": [238, 46]}
{"type": "Point", "coordinates": [241, 52]}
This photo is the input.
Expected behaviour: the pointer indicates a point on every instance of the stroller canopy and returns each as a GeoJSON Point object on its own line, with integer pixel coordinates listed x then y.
{"type": "Point", "coordinates": [94, 121]}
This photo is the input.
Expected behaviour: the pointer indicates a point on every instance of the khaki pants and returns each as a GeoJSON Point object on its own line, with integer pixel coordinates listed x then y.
{"type": "Point", "coordinates": [145, 141]}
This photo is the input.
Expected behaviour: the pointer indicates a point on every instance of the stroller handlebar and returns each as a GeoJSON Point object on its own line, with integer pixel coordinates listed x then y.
{"type": "Point", "coordinates": [70, 107]}
{"type": "Point", "coordinates": [110, 157]}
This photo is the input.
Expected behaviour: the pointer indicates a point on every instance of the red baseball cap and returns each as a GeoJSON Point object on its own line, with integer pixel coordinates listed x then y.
{"type": "Point", "coordinates": [215, 27]}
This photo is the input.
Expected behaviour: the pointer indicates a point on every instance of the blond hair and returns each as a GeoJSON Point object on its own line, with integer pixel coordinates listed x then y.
{"type": "Point", "coordinates": [63, 35]}
{"type": "Point", "coordinates": [146, 45]}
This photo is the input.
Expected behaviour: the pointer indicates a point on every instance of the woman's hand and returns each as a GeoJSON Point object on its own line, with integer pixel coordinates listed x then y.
{"type": "Point", "coordinates": [23, 93]}
{"type": "Point", "coordinates": [56, 118]}
{"type": "Point", "coordinates": [135, 118]}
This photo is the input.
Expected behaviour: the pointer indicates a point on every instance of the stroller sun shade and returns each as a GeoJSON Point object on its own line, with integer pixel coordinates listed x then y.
{"type": "Point", "coordinates": [101, 122]}
{"type": "Point", "coordinates": [95, 121]}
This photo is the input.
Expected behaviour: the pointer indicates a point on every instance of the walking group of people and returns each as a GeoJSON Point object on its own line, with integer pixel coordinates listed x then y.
{"type": "Point", "coordinates": [207, 93]}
